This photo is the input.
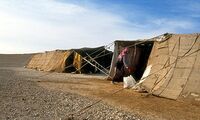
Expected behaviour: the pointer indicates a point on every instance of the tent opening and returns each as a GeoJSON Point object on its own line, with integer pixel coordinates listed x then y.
{"type": "Point", "coordinates": [143, 51]}
{"type": "Point", "coordinates": [69, 63]}
{"type": "Point", "coordinates": [136, 57]}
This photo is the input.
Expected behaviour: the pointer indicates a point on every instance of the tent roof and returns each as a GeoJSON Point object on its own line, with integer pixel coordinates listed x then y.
{"type": "Point", "coordinates": [84, 51]}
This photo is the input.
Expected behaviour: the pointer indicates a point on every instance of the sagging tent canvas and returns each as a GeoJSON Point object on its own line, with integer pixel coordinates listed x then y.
{"type": "Point", "coordinates": [53, 61]}
{"type": "Point", "coordinates": [74, 60]}
{"type": "Point", "coordinates": [173, 66]}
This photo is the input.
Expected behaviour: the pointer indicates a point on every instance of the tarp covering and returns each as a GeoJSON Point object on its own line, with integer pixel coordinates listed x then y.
{"type": "Point", "coordinates": [174, 66]}
{"type": "Point", "coordinates": [49, 61]}
{"type": "Point", "coordinates": [77, 62]}
{"type": "Point", "coordinates": [71, 60]}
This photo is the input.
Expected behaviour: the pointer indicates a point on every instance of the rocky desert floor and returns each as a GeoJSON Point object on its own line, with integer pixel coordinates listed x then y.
{"type": "Point", "coordinates": [27, 94]}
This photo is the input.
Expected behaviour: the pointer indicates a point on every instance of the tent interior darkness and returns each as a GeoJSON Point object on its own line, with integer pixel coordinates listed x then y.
{"type": "Point", "coordinates": [144, 50]}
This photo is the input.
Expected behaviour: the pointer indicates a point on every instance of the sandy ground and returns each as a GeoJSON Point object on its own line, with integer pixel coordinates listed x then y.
{"type": "Point", "coordinates": [30, 94]}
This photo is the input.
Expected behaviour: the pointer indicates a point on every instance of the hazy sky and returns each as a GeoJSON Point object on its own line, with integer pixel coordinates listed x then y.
{"type": "Point", "coordinates": [40, 25]}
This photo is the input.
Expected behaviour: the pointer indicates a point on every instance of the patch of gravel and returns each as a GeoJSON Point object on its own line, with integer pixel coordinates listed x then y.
{"type": "Point", "coordinates": [23, 99]}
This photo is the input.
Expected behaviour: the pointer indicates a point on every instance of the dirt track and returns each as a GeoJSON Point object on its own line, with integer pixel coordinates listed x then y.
{"type": "Point", "coordinates": [29, 94]}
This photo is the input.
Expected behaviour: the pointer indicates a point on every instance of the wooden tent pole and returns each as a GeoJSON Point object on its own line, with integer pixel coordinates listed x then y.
{"type": "Point", "coordinates": [95, 66]}
{"type": "Point", "coordinates": [97, 62]}
{"type": "Point", "coordinates": [94, 58]}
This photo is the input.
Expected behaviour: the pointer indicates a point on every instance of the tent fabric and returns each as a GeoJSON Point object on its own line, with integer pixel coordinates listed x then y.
{"type": "Point", "coordinates": [175, 67]}
{"type": "Point", "coordinates": [49, 61]}
{"type": "Point", "coordinates": [171, 68]}
{"type": "Point", "coordinates": [58, 62]}
{"type": "Point", "coordinates": [70, 60]}
{"type": "Point", "coordinates": [77, 62]}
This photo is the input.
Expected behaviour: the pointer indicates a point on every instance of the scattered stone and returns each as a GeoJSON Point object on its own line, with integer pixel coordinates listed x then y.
{"type": "Point", "coordinates": [24, 99]}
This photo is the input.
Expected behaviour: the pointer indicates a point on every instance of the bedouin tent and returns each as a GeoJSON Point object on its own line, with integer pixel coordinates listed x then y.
{"type": "Point", "coordinates": [53, 61]}
{"type": "Point", "coordinates": [84, 60]}
{"type": "Point", "coordinates": [172, 69]}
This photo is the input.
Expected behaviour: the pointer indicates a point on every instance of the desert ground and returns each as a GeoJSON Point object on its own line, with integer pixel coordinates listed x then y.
{"type": "Point", "coordinates": [27, 94]}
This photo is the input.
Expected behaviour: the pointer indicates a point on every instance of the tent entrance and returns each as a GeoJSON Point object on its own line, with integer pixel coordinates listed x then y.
{"type": "Point", "coordinates": [142, 52]}
{"type": "Point", "coordinates": [136, 59]}
{"type": "Point", "coordinates": [69, 63]}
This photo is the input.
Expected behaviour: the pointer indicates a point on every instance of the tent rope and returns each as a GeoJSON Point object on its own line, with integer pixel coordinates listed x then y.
{"type": "Point", "coordinates": [169, 65]}
{"type": "Point", "coordinates": [175, 63]}
{"type": "Point", "coordinates": [89, 106]}
{"type": "Point", "coordinates": [167, 36]}
{"type": "Point", "coordinates": [177, 59]}
{"type": "Point", "coordinates": [193, 62]}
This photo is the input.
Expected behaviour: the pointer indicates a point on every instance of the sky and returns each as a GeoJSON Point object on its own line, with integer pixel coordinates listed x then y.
{"type": "Point", "coordinates": [28, 26]}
